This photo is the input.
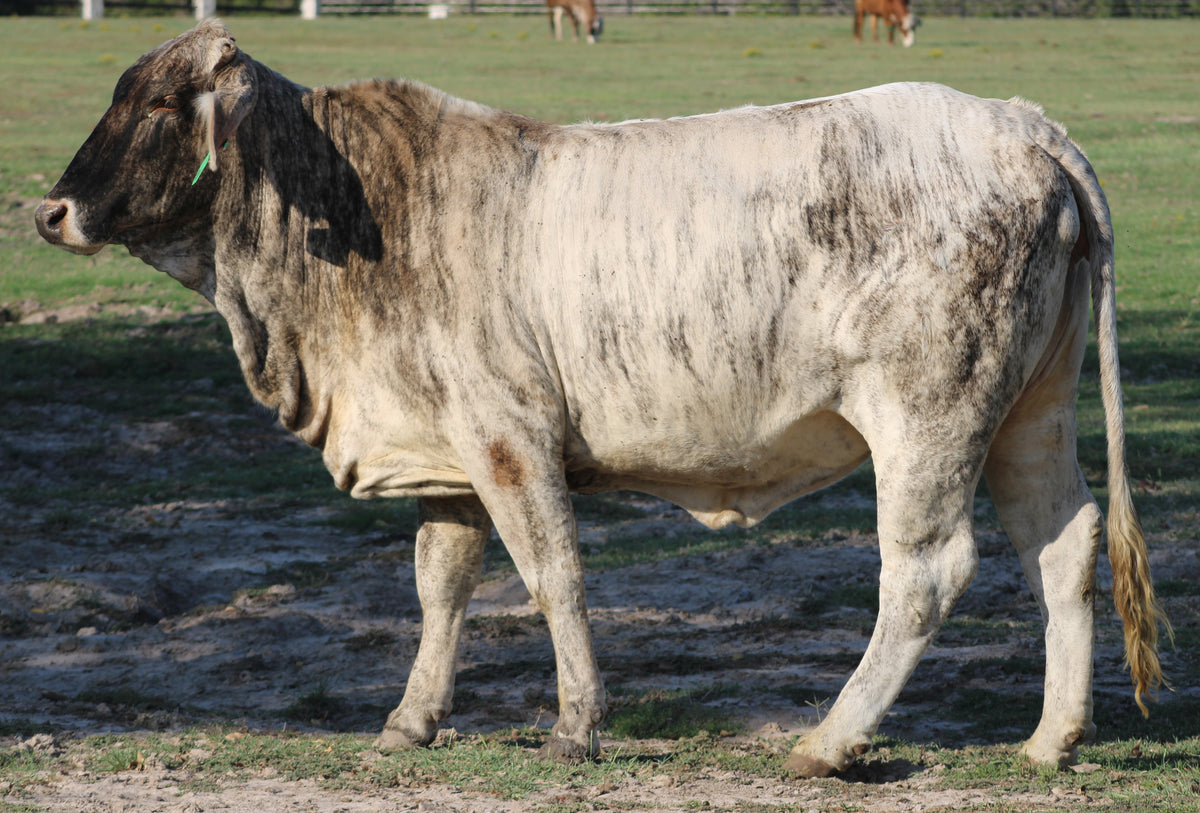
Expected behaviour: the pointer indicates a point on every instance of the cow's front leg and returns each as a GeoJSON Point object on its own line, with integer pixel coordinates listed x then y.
{"type": "Point", "coordinates": [928, 559]}
{"type": "Point", "coordinates": [523, 486]}
{"type": "Point", "coordinates": [449, 558]}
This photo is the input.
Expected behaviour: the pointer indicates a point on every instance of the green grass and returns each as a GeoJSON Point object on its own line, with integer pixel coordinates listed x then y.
{"type": "Point", "coordinates": [1123, 88]}
{"type": "Point", "coordinates": [123, 696]}
{"type": "Point", "coordinates": [316, 706]}
{"type": "Point", "coordinates": [672, 714]}
{"type": "Point", "coordinates": [1122, 775]}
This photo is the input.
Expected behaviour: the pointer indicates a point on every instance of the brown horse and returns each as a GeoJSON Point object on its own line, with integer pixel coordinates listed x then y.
{"type": "Point", "coordinates": [580, 11]}
{"type": "Point", "coordinates": [893, 12]}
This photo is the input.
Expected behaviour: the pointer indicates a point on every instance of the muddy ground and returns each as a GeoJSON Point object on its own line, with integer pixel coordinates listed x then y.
{"type": "Point", "coordinates": [179, 611]}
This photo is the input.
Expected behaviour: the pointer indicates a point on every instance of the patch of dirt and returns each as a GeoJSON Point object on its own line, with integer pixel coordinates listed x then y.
{"type": "Point", "coordinates": [176, 612]}
{"type": "Point", "coordinates": [154, 789]}
{"type": "Point", "coordinates": [33, 312]}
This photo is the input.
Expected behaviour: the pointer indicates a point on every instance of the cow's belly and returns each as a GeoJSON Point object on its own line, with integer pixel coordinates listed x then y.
{"type": "Point", "coordinates": [721, 483]}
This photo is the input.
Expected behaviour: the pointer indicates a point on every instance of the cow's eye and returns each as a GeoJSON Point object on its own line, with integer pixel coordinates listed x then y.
{"type": "Point", "coordinates": [168, 104]}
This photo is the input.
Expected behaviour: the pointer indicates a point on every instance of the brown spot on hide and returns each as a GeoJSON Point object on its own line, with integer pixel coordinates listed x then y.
{"type": "Point", "coordinates": [506, 466]}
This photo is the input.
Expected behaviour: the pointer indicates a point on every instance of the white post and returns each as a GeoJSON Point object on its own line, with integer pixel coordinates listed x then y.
{"type": "Point", "coordinates": [93, 9]}
{"type": "Point", "coordinates": [310, 9]}
{"type": "Point", "coordinates": [205, 8]}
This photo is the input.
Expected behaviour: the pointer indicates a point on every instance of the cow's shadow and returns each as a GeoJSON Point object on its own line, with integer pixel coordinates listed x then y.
{"type": "Point", "coordinates": [329, 192]}
{"type": "Point", "coordinates": [880, 772]}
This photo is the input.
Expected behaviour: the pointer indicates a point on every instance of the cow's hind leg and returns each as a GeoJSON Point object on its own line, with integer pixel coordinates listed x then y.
{"type": "Point", "coordinates": [1050, 515]}
{"type": "Point", "coordinates": [1045, 505]}
{"type": "Point", "coordinates": [928, 558]}
{"type": "Point", "coordinates": [449, 558]}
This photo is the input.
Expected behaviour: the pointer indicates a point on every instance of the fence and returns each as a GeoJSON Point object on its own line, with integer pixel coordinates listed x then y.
{"type": "Point", "coordinates": [64, 8]}
{"type": "Point", "coordinates": [964, 8]}
{"type": "Point", "coordinates": [932, 8]}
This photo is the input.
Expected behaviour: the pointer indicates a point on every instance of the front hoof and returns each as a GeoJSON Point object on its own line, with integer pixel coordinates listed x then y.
{"type": "Point", "coordinates": [394, 739]}
{"type": "Point", "coordinates": [560, 749]}
{"type": "Point", "coordinates": [803, 766]}
{"type": "Point", "coordinates": [1050, 757]}
{"type": "Point", "coordinates": [1061, 760]}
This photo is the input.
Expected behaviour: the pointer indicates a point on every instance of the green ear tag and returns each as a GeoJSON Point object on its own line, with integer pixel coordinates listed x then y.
{"type": "Point", "coordinates": [200, 171]}
{"type": "Point", "coordinates": [204, 163]}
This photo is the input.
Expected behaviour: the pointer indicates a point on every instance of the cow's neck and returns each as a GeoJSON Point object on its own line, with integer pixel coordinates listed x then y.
{"type": "Point", "coordinates": [293, 228]}
{"type": "Point", "coordinates": [339, 238]}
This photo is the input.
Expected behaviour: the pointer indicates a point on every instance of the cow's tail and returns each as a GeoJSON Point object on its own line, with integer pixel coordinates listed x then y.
{"type": "Point", "coordinates": [1133, 589]}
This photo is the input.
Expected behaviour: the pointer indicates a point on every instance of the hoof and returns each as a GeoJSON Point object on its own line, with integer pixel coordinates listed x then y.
{"type": "Point", "coordinates": [1059, 753]}
{"type": "Point", "coordinates": [393, 739]}
{"type": "Point", "coordinates": [803, 766]}
{"type": "Point", "coordinates": [1062, 760]}
{"type": "Point", "coordinates": [560, 749]}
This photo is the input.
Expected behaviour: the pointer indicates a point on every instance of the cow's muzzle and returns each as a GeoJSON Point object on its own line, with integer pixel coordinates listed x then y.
{"type": "Point", "coordinates": [56, 225]}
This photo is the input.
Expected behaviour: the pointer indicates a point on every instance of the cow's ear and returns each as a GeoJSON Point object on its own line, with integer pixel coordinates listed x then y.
{"type": "Point", "coordinates": [231, 99]}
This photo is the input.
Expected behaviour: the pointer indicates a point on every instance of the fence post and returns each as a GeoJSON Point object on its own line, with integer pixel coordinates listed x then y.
{"type": "Point", "coordinates": [93, 9]}
{"type": "Point", "coordinates": [310, 9]}
{"type": "Point", "coordinates": [205, 8]}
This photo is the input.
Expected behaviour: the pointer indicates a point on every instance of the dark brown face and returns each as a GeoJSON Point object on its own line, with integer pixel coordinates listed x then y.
{"type": "Point", "coordinates": [131, 181]}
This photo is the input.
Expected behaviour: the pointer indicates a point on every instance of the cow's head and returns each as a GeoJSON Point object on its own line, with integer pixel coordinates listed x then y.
{"type": "Point", "coordinates": [135, 180]}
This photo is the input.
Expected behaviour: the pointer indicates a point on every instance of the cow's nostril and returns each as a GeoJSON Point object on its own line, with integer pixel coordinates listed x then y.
{"type": "Point", "coordinates": [49, 217]}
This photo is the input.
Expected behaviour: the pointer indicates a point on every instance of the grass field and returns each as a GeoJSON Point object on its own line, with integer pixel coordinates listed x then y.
{"type": "Point", "coordinates": [1127, 91]}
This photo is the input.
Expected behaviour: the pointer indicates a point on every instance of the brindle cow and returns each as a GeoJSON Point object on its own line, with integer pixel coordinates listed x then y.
{"type": "Point", "coordinates": [894, 13]}
{"type": "Point", "coordinates": [745, 307]}
{"type": "Point", "coordinates": [580, 11]}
